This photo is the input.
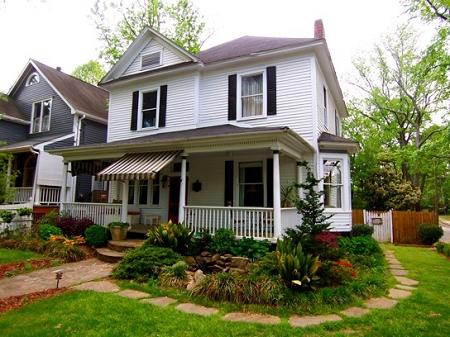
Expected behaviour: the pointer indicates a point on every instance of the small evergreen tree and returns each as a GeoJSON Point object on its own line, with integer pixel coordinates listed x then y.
{"type": "Point", "coordinates": [311, 207]}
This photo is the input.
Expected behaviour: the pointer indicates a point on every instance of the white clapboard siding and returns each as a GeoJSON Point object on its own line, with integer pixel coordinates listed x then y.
{"type": "Point", "coordinates": [168, 56]}
{"type": "Point", "coordinates": [331, 105]}
{"type": "Point", "coordinates": [381, 232]}
{"type": "Point", "coordinates": [180, 107]}
{"type": "Point", "coordinates": [294, 96]}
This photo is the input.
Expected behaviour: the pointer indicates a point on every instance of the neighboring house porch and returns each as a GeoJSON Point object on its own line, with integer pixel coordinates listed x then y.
{"type": "Point", "coordinates": [213, 177]}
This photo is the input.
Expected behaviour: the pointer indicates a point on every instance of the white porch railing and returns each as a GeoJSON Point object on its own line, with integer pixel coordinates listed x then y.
{"type": "Point", "coordinates": [22, 195]}
{"type": "Point", "coordinates": [243, 221]}
{"type": "Point", "coordinates": [101, 214]}
{"type": "Point", "coordinates": [50, 195]}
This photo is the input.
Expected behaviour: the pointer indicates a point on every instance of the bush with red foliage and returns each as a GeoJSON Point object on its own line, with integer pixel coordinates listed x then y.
{"type": "Point", "coordinates": [73, 226]}
{"type": "Point", "coordinates": [328, 239]}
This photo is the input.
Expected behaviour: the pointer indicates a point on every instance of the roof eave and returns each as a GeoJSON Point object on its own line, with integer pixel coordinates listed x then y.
{"type": "Point", "coordinates": [14, 119]}
{"type": "Point", "coordinates": [351, 148]}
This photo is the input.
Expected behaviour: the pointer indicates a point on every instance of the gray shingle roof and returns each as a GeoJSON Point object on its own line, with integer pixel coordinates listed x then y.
{"type": "Point", "coordinates": [9, 108]}
{"type": "Point", "coordinates": [328, 137]}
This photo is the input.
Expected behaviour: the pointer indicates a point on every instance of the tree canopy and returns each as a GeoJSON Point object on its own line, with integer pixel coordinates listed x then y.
{"type": "Point", "coordinates": [180, 21]}
{"type": "Point", "coordinates": [91, 72]}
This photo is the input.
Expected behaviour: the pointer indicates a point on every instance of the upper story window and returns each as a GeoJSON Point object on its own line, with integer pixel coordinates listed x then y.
{"type": "Point", "coordinates": [40, 116]}
{"type": "Point", "coordinates": [325, 108]}
{"type": "Point", "coordinates": [337, 123]}
{"type": "Point", "coordinates": [332, 183]}
{"type": "Point", "coordinates": [252, 95]}
{"type": "Point", "coordinates": [149, 109]}
{"type": "Point", "coordinates": [32, 79]}
{"type": "Point", "coordinates": [150, 60]}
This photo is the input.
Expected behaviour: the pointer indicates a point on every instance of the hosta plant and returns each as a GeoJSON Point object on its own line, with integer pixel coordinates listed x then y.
{"type": "Point", "coordinates": [296, 268]}
{"type": "Point", "coordinates": [170, 235]}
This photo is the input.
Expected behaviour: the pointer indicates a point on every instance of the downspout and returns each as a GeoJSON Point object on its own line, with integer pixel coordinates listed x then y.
{"type": "Point", "coordinates": [35, 180]}
{"type": "Point", "coordinates": [77, 129]}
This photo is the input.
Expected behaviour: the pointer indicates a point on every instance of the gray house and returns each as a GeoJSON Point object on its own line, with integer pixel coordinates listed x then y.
{"type": "Point", "coordinates": [47, 109]}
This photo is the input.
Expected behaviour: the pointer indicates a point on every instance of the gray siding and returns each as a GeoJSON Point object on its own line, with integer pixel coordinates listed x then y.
{"type": "Point", "coordinates": [12, 132]}
{"type": "Point", "coordinates": [61, 118]}
{"type": "Point", "coordinates": [92, 132]}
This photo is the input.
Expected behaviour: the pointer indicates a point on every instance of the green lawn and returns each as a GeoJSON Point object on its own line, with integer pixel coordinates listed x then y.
{"type": "Point", "coordinates": [426, 313]}
{"type": "Point", "coordinates": [13, 255]}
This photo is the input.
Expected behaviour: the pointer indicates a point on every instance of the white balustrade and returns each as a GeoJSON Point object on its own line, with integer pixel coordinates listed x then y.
{"type": "Point", "coordinates": [253, 222]}
{"type": "Point", "coordinates": [22, 194]}
{"type": "Point", "coordinates": [50, 195]}
{"type": "Point", "coordinates": [100, 213]}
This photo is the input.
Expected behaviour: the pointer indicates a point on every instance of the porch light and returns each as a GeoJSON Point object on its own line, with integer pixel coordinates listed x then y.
{"type": "Point", "coordinates": [59, 275]}
{"type": "Point", "coordinates": [197, 186]}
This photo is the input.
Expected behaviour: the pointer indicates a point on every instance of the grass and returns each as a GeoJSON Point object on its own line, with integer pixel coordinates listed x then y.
{"type": "Point", "coordinates": [13, 255]}
{"type": "Point", "coordinates": [426, 313]}
{"type": "Point", "coordinates": [444, 217]}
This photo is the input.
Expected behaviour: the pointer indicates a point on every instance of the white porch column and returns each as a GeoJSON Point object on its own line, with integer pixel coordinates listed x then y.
{"type": "Point", "coordinates": [8, 172]}
{"type": "Point", "coordinates": [124, 215]}
{"type": "Point", "coordinates": [182, 202]}
{"type": "Point", "coordinates": [63, 195]}
{"type": "Point", "coordinates": [299, 179]}
{"type": "Point", "coordinates": [276, 194]}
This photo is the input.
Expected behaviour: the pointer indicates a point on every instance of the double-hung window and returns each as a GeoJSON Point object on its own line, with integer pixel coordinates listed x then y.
{"type": "Point", "coordinates": [332, 183]}
{"type": "Point", "coordinates": [252, 94]}
{"type": "Point", "coordinates": [149, 109]}
{"type": "Point", "coordinates": [144, 192]}
{"type": "Point", "coordinates": [40, 116]}
{"type": "Point", "coordinates": [251, 184]}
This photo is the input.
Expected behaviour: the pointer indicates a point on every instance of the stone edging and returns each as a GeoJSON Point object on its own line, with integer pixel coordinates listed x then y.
{"type": "Point", "coordinates": [401, 290]}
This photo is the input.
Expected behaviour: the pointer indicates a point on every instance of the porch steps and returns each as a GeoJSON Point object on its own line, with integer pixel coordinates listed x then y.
{"type": "Point", "coordinates": [109, 255]}
{"type": "Point", "coordinates": [121, 246]}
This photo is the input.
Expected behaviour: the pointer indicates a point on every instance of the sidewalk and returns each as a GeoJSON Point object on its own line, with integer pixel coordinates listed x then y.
{"type": "Point", "coordinates": [73, 273]}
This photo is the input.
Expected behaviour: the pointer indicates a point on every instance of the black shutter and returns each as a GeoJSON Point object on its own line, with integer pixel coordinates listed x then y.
{"type": "Point", "coordinates": [162, 106]}
{"type": "Point", "coordinates": [229, 168]}
{"type": "Point", "coordinates": [134, 111]}
{"type": "Point", "coordinates": [232, 87]}
{"type": "Point", "coordinates": [271, 73]}
{"type": "Point", "coordinates": [269, 182]}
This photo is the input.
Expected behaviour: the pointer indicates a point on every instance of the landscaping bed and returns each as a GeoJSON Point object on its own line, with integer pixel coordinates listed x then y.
{"type": "Point", "coordinates": [15, 302]}
{"type": "Point", "coordinates": [14, 268]}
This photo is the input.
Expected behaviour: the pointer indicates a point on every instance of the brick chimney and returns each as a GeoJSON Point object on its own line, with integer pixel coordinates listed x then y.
{"type": "Point", "coordinates": [58, 68]}
{"type": "Point", "coordinates": [319, 31]}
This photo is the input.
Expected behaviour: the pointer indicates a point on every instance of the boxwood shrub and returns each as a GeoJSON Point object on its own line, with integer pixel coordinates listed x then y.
{"type": "Point", "coordinates": [96, 236]}
{"type": "Point", "coordinates": [430, 233]}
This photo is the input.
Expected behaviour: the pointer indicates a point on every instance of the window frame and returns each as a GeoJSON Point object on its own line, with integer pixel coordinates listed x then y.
{"type": "Point", "coordinates": [137, 191]}
{"type": "Point", "coordinates": [33, 115]}
{"type": "Point", "coordinates": [325, 107]}
{"type": "Point", "coordinates": [140, 114]}
{"type": "Point", "coordinates": [28, 84]}
{"type": "Point", "coordinates": [239, 115]}
{"type": "Point", "coordinates": [263, 182]}
{"type": "Point", "coordinates": [156, 66]}
{"type": "Point", "coordinates": [345, 189]}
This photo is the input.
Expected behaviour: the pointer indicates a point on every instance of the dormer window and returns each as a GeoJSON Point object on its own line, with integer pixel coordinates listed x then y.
{"type": "Point", "coordinates": [40, 116]}
{"type": "Point", "coordinates": [32, 79]}
{"type": "Point", "coordinates": [151, 60]}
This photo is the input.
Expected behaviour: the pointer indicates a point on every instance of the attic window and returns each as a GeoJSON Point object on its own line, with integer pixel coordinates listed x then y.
{"type": "Point", "coordinates": [151, 60]}
{"type": "Point", "coordinates": [32, 79]}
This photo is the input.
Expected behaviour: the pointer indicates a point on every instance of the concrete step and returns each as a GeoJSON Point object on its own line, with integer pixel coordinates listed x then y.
{"type": "Point", "coordinates": [108, 255]}
{"type": "Point", "coordinates": [123, 245]}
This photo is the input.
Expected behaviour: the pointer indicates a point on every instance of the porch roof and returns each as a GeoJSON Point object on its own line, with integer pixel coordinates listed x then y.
{"type": "Point", "coordinates": [29, 144]}
{"type": "Point", "coordinates": [138, 166]}
{"type": "Point", "coordinates": [211, 136]}
{"type": "Point", "coordinates": [328, 141]}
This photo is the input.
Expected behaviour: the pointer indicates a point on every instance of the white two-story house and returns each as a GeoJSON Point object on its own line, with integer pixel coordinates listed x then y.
{"type": "Point", "coordinates": [211, 139]}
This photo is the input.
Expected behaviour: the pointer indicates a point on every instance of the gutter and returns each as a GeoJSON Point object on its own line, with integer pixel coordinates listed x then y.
{"type": "Point", "coordinates": [14, 119]}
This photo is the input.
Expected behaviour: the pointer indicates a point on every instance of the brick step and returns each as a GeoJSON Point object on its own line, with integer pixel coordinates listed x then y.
{"type": "Point", "coordinates": [123, 245]}
{"type": "Point", "coordinates": [109, 255]}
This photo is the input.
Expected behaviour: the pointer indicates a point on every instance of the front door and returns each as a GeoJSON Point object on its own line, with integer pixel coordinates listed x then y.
{"type": "Point", "coordinates": [174, 198]}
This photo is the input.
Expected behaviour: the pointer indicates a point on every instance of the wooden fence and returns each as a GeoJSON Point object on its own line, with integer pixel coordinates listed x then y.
{"type": "Point", "coordinates": [405, 223]}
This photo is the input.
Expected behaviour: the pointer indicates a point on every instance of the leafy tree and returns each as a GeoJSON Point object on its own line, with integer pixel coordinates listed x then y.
{"type": "Point", "coordinates": [400, 89]}
{"type": "Point", "coordinates": [180, 21]}
{"type": "Point", "coordinates": [429, 9]}
{"type": "Point", "coordinates": [311, 207]}
{"type": "Point", "coordinates": [91, 72]}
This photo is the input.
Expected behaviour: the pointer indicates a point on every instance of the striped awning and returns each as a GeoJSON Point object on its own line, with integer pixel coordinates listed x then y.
{"type": "Point", "coordinates": [138, 166]}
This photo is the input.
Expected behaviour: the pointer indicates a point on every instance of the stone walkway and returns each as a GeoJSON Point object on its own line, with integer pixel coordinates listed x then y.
{"type": "Point", "coordinates": [400, 291]}
{"type": "Point", "coordinates": [73, 273]}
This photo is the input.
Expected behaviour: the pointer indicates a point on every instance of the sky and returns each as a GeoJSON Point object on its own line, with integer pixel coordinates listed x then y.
{"type": "Point", "coordinates": [61, 32]}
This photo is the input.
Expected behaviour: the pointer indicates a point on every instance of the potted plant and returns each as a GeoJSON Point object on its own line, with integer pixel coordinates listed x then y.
{"type": "Point", "coordinates": [24, 211]}
{"type": "Point", "coordinates": [118, 230]}
{"type": "Point", "coordinates": [7, 216]}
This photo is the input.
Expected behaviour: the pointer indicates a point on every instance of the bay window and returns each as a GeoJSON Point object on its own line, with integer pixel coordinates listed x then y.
{"type": "Point", "coordinates": [332, 183]}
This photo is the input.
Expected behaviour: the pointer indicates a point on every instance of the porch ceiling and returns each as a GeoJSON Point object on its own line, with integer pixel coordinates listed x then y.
{"type": "Point", "coordinates": [206, 139]}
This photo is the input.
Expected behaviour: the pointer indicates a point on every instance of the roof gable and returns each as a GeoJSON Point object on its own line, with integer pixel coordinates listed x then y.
{"type": "Point", "coordinates": [80, 96]}
{"type": "Point", "coordinates": [148, 41]}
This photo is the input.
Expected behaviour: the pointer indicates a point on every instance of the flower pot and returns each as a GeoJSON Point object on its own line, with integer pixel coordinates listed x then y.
{"type": "Point", "coordinates": [123, 233]}
{"type": "Point", "coordinates": [117, 233]}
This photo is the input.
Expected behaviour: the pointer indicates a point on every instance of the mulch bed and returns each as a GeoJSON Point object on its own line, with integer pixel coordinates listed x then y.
{"type": "Point", "coordinates": [19, 267]}
{"type": "Point", "coordinates": [15, 302]}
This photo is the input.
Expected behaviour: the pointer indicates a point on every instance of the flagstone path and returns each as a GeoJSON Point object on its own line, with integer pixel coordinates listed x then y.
{"type": "Point", "coordinates": [400, 291]}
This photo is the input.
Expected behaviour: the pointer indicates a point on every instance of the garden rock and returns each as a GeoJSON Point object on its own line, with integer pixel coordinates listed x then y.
{"type": "Point", "coordinates": [406, 281]}
{"type": "Point", "coordinates": [304, 321]}
{"type": "Point", "coordinates": [251, 318]}
{"type": "Point", "coordinates": [190, 260]}
{"type": "Point", "coordinates": [130, 293]}
{"type": "Point", "coordinates": [197, 278]}
{"type": "Point", "coordinates": [355, 312]}
{"type": "Point", "coordinates": [240, 262]}
{"type": "Point", "coordinates": [380, 303]}
{"type": "Point", "coordinates": [159, 301]}
{"type": "Point", "coordinates": [398, 293]}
